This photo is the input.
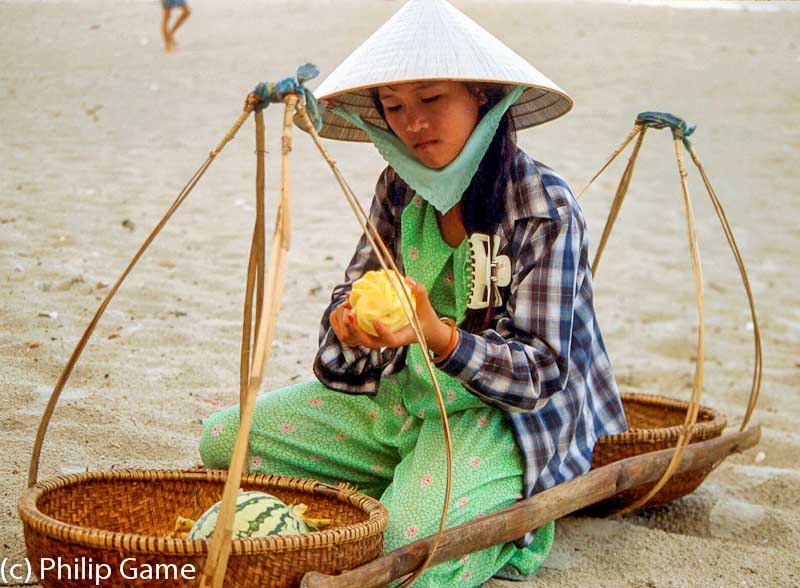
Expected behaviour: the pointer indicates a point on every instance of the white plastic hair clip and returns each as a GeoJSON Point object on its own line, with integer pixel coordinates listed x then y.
{"type": "Point", "coordinates": [489, 270]}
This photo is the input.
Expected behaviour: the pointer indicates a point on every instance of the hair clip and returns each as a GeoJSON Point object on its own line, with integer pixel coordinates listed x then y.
{"type": "Point", "coordinates": [489, 270]}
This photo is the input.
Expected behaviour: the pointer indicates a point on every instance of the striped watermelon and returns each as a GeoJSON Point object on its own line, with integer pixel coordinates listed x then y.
{"type": "Point", "coordinates": [258, 514]}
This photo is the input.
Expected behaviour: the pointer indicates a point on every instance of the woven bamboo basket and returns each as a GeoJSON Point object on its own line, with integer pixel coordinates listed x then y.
{"type": "Point", "coordinates": [106, 517]}
{"type": "Point", "coordinates": [654, 423]}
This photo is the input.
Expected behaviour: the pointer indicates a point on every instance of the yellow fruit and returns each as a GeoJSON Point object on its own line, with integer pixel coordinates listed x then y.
{"type": "Point", "coordinates": [373, 298]}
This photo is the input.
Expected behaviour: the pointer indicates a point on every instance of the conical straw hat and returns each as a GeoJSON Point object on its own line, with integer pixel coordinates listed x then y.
{"type": "Point", "coordinates": [431, 39]}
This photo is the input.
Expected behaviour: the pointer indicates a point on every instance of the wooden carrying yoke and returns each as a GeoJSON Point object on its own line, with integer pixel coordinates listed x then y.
{"type": "Point", "coordinates": [516, 520]}
{"type": "Point", "coordinates": [263, 293]}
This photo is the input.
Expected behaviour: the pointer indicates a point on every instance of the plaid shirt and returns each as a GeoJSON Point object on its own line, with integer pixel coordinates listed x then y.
{"type": "Point", "coordinates": [543, 361]}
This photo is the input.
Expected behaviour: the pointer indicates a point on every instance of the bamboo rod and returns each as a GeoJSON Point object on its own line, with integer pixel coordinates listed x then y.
{"type": "Point", "coordinates": [697, 387]}
{"type": "Point", "coordinates": [220, 547]}
{"type": "Point", "coordinates": [255, 265]}
{"type": "Point", "coordinates": [213, 572]}
{"type": "Point", "coordinates": [755, 389]}
{"type": "Point", "coordinates": [281, 241]}
{"type": "Point", "coordinates": [260, 215]}
{"type": "Point", "coordinates": [636, 129]}
{"type": "Point", "coordinates": [514, 521]}
{"type": "Point", "coordinates": [247, 320]}
{"type": "Point", "coordinates": [616, 205]}
{"type": "Point", "coordinates": [386, 261]}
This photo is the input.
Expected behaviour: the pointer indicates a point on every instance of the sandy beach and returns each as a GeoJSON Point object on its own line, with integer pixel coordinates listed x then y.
{"type": "Point", "coordinates": [100, 129]}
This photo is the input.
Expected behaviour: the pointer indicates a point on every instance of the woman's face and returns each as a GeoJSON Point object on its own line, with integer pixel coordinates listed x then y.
{"type": "Point", "coordinates": [433, 119]}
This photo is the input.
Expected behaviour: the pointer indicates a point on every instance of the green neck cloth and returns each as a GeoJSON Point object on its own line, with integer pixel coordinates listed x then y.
{"type": "Point", "coordinates": [442, 187]}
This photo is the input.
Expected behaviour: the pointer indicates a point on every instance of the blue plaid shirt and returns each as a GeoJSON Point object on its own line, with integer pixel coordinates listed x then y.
{"type": "Point", "coordinates": [542, 361]}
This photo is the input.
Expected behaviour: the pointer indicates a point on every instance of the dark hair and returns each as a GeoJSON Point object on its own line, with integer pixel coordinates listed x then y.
{"type": "Point", "coordinates": [483, 200]}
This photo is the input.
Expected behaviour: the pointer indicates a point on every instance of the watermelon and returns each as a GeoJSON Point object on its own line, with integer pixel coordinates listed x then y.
{"type": "Point", "coordinates": [258, 514]}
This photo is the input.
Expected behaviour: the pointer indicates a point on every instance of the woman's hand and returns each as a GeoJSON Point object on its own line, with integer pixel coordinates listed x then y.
{"type": "Point", "coordinates": [437, 334]}
{"type": "Point", "coordinates": [344, 324]}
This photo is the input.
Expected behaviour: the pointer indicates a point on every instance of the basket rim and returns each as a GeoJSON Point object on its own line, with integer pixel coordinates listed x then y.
{"type": "Point", "coordinates": [32, 517]}
{"type": "Point", "coordinates": [712, 425]}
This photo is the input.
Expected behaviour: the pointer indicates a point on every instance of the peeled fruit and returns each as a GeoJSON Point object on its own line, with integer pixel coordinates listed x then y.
{"type": "Point", "coordinates": [373, 298]}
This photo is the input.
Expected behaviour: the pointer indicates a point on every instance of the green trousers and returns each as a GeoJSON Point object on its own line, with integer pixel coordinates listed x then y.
{"type": "Point", "coordinates": [392, 447]}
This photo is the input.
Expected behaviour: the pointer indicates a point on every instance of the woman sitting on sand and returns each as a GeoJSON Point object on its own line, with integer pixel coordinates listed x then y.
{"type": "Point", "coordinates": [527, 382]}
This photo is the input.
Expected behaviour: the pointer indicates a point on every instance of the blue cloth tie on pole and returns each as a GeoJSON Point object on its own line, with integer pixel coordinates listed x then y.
{"type": "Point", "coordinates": [272, 92]}
{"type": "Point", "coordinates": [659, 120]}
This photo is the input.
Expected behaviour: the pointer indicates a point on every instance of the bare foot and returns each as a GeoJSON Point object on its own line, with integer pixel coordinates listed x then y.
{"type": "Point", "coordinates": [170, 46]}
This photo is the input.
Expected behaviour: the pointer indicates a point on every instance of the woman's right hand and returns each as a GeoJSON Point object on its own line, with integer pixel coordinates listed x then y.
{"type": "Point", "coordinates": [343, 323]}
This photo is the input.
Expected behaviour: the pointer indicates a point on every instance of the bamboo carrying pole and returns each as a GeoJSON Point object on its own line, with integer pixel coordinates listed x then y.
{"type": "Point", "coordinates": [726, 227]}
{"type": "Point", "coordinates": [255, 266]}
{"type": "Point", "coordinates": [619, 197]}
{"type": "Point", "coordinates": [697, 386]}
{"type": "Point", "coordinates": [514, 521]}
{"type": "Point", "coordinates": [679, 138]}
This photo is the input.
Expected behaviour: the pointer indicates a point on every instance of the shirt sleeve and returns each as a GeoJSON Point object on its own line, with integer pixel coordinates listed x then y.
{"type": "Point", "coordinates": [357, 370]}
{"type": "Point", "coordinates": [524, 360]}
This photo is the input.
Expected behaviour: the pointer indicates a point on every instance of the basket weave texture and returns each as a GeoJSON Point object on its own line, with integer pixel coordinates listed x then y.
{"type": "Point", "coordinates": [654, 423]}
{"type": "Point", "coordinates": [111, 516]}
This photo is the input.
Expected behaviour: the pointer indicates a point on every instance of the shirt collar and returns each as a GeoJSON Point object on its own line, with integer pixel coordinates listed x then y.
{"type": "Point", "coordinates": [530, 191]}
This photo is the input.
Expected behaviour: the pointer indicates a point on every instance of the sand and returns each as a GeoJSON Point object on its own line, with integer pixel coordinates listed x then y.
{"type": "Point", "coordinates": [100, 129]}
